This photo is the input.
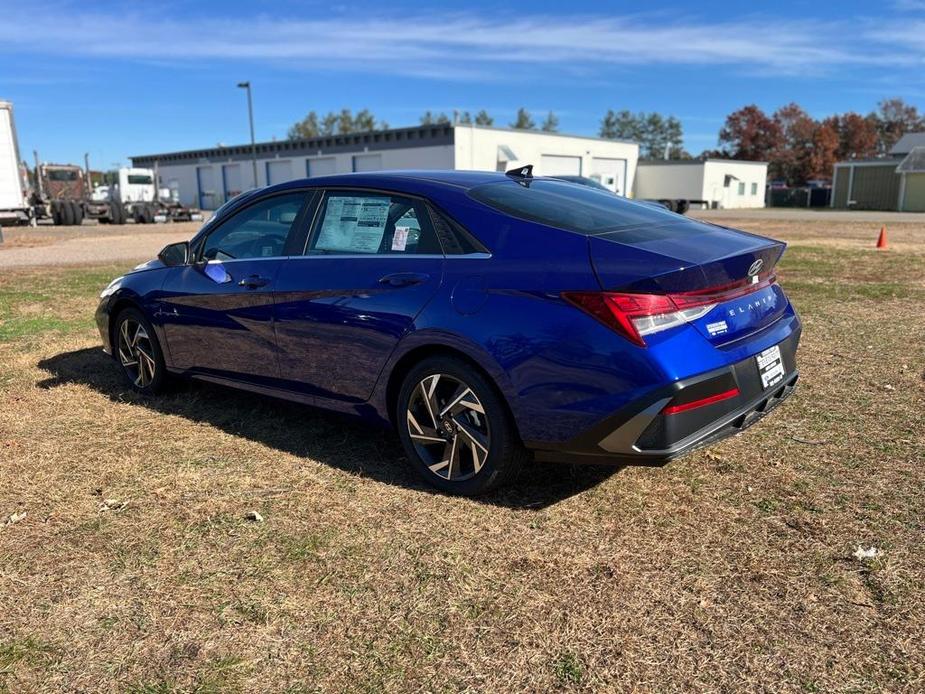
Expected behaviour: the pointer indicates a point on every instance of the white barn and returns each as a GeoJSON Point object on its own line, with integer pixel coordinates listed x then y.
{"type": "Point", "coordinates": [710, 183]}
{"type": "Point", "coordinates": [206, 178]}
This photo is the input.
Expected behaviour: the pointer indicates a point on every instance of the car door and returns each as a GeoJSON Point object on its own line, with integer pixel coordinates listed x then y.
{"type": "Point", "coordinates": [218, 310]}
{"type": "Point", "coordinates": [371, 263]}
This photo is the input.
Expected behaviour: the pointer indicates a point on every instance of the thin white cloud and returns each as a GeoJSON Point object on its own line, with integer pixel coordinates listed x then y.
{"type": "Point", "coordinates": [909, 5]}
{"type": "Point", "coordinates": [462, 46]}
{"type": "Point", "coordinates": [909, 36]}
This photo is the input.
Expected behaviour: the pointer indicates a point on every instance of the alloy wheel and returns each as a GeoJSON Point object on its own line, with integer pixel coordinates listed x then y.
{"type": "Point", "coordinates": [136, 353]}
{"type": "Point", "coordinates": [448, 427]}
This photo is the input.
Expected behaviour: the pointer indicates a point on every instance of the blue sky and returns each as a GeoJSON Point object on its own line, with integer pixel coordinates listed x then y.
{"type": "Point", "coordinates": [116, 79]}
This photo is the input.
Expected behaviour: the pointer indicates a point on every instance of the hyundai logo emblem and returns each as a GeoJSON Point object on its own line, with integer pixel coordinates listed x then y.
{"type": "Point", "coordinates": [755, 267]}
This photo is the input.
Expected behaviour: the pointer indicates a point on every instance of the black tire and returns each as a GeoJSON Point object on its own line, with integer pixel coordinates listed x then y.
{"type": "Point", "coordinates": [504, 454]}
{"type": "Point", "coordinates": [147, 213]}
{"type": "Point", "coordinates": [78, 213]}
{"type": "Point", "coordinates": [67, 213]}
{"type": "Point", "coordinates": [114, 213]}
{"type": "Point", "coordinates": [149, 374]}
{"type": "Point", "coordinates": [56, 216]}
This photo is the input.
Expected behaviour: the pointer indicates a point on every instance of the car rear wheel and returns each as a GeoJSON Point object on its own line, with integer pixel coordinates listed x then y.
{"type": "Point", "coordinates": [455, 428]}
{"type": "Point", "coordinates": [139, 352]}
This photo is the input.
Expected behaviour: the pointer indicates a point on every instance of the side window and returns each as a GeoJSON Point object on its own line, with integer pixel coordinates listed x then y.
{"type": "Point", "coordinates": [453, 237]}
{"type": "Point", "coordinates": [258, 231]}
{"type": "Point", "coordinates": [754, 189]}
{"type": "Point", "coordinates": [357, 222]}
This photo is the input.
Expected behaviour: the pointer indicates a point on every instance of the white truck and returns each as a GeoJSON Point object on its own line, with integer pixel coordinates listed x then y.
{"type": "Point", "coordinates": [14, 191]}
{"type": "Point", "coordinates": [142, 201]}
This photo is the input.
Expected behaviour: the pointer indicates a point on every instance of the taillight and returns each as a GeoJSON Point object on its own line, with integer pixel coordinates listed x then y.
{"type": "Point", "coordinates": [701, 402]}
{"type": "Point", "coordinates": [637, 315]}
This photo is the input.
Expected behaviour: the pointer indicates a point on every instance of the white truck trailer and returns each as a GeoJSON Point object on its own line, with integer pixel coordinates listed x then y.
{"type": "Point", "coordinates": [14, 194]}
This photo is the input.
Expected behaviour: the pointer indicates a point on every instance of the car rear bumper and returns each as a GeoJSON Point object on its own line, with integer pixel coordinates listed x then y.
{"type": "Point", "coordinates": [641, 434]}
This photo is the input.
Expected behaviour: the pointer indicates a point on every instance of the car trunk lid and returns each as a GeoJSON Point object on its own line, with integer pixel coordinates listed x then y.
{"type": "Point", "coordinates": [699, 263]}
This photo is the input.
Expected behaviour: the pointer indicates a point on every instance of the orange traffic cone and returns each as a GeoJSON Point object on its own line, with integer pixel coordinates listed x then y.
{"type": "Point", "coordinates": [881, 240]}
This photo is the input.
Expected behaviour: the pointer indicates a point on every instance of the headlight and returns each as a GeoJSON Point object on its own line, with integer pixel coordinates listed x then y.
{"type": "Point", "coordinates": [111, 287]}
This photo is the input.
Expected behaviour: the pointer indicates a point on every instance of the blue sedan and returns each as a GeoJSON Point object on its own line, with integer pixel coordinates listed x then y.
{"type": "Point", "coordinates": [490, 318]}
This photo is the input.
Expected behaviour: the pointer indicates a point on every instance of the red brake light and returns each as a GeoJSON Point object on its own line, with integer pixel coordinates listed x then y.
{"type": "Point", "coordinates": [636, 315]}
{"type": "Point", "coordinates": [617, 311]}
{"type": "Point", "coordinates": [722, 292]}
{"type": "Point", "coordinates": [702, 402]}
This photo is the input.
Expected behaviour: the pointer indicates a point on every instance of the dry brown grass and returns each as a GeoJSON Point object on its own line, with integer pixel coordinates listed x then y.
{"type": "Point", "coordinates": [730, 569]}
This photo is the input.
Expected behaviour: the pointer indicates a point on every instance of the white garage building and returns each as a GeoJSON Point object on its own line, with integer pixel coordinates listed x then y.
{"type": "Point", "coordinates": [710, 183]}
{"type": "Point", "coordinates": [206, 178]}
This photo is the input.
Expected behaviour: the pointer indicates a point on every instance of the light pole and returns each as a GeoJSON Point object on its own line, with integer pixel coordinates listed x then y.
{"type": "Point", "coordinates": [250, 116]}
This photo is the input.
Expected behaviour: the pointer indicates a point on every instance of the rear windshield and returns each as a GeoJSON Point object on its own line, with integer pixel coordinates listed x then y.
{"type": "Point", "coordinates": [569, 206]}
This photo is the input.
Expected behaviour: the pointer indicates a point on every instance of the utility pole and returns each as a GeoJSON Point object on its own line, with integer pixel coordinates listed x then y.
{"type": "Point", "coordinates": [250, 116]}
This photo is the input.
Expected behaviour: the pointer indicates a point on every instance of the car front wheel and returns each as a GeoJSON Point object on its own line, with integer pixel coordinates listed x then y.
{"type": "Point", "coordinates": [139, 352]}
{"type": "Point", "coordinates": [455, 428]}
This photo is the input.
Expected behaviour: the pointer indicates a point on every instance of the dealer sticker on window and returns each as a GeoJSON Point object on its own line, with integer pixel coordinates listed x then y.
{"type": "Point", "coordinates": [770, 367]}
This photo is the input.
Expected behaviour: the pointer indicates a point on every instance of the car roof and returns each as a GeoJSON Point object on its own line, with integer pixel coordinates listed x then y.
{"type": "Point", "coordinates": [461, 179]}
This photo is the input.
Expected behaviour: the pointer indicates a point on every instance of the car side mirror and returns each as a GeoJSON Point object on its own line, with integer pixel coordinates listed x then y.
{"type": "Point", "coordinates": [175, 254]}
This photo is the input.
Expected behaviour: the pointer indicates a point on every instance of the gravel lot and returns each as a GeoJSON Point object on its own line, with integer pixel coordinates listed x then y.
{"type": "Point", "coordinates": [91, 243]}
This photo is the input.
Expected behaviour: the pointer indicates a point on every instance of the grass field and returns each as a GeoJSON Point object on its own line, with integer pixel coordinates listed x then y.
{"type": "Point", "coordinates": [128, 563]}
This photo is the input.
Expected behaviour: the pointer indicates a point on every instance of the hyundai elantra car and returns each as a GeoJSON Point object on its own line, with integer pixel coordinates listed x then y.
{"type": "Point", "coordinates": [492, 319]}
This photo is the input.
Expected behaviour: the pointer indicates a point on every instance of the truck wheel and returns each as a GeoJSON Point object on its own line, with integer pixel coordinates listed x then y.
{"type": "Point", "coordinates": [67, 213]}
{"type": "Point", "coordinates": [56, 214]}
{"type": "Point", "coordinates": [78, 213]}
{"type": "Point", "coordinates": [149, 214]}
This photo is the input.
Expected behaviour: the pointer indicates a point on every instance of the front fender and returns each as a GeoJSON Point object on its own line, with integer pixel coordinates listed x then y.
{"type": "Point", "coordinates": [140, 290]}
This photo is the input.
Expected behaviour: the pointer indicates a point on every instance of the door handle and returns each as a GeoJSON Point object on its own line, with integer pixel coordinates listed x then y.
{"type": "Point", "coordinates": [253, 282]}
{"type": "Point", "coordinates": [404, 279]}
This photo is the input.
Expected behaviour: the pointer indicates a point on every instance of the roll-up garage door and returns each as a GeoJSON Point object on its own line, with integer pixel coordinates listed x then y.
{"type": "Point", "coordinates": [367, 162]}
{"type": "Point", "coordinates": [208, 195]}
{"type": "Point", "coordinates": [559, 165]}
{"type": "Point", "coordinates": [279, 172]}
{"type": "Point", "coordinates": [325, 166]}
{"type": "Point", "coordinates": [611, 173]}
{"type": "Point", "coordinates": [231, 174]}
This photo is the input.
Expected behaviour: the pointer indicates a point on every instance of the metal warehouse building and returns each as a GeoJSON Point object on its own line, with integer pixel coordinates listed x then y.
{"type": "Point", "coordinates": [711, 183]}
{"type": "Point", "coordinates": [896, 182]}
{"type": "Point", "coordinates": [206, 178]}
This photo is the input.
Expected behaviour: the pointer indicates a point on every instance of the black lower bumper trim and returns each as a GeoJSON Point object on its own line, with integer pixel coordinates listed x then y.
{"type": "Point", "coordinates": [728, 426]}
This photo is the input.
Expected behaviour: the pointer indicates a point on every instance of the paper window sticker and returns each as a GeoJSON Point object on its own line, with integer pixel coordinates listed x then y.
{"type": "Point", "coordinates": [400, 238]}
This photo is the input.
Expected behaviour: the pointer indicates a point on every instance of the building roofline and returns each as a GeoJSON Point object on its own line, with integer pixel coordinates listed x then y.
{"type": "Point", "coordinates": [413, 136]}
{"type": "Point", "coordinates": [537, 131]}
{"type": "Point", "coordinates": [874, 161]}
{"type": "Point", "coordinates": [692, 162]}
